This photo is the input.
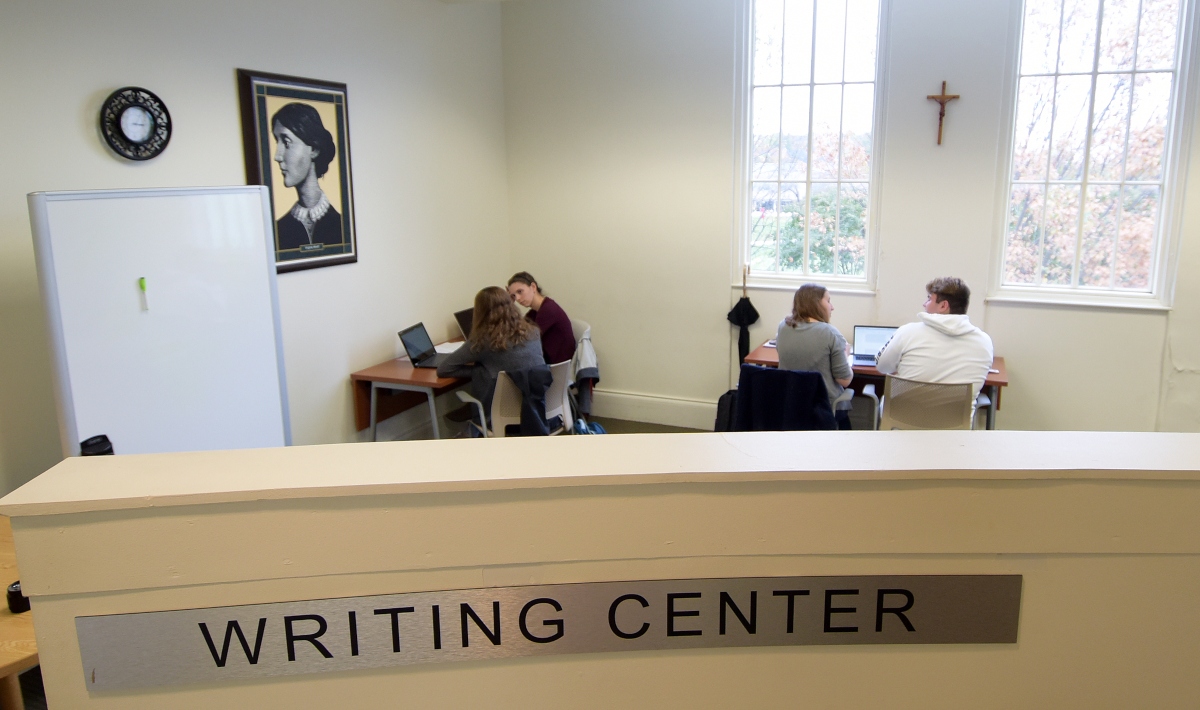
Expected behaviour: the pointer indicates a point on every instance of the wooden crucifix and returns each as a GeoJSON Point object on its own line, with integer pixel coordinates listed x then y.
{"type": "Point", "coordinates": [942, 99]}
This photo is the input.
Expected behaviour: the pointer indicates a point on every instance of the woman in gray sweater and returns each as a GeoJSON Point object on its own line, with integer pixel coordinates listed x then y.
{"type": "Point", "coordinates": [501, 340]}
{"type": "Point", "coordinates": [806, 341]}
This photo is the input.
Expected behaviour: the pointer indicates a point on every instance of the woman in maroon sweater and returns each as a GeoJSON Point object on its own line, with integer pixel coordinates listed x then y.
{"type": "Point", "coordinates": [558, 340]}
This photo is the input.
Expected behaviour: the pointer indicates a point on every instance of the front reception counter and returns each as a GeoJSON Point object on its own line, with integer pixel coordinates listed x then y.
{"type": "Point", "coordinates": [824, 569]}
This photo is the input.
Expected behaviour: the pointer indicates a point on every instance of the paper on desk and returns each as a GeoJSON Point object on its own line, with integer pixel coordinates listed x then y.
{"type": "Point", "coordinates": [445, 348]}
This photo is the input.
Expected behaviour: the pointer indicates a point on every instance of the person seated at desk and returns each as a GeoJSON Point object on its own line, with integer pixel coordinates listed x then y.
{"type": "Point", "coordinates": [558, 340]}
{"type": "Point", "coordinates": [806, 341]}
{"type": "Point", "coordinates": [501, 340]}
{"type": "Point", "coordinates": [942, 346]}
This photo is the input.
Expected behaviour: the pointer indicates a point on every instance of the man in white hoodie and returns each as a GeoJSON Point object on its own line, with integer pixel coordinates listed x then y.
{"type": "Point", "coordinates": [942, 346]}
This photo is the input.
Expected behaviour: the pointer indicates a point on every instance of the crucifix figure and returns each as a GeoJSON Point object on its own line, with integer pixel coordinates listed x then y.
{"type": "Point", "coordinates": [942, 99]}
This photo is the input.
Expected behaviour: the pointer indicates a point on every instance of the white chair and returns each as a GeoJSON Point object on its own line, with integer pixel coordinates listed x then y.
{"type": "Point", "coordinates": [909, 404]}
{"type": "Point", "coordinates": [578, 328]}
{"type": "Point", "coordinates": [506, 404]}
{"type": "Point", "coordinates": [558, 402]}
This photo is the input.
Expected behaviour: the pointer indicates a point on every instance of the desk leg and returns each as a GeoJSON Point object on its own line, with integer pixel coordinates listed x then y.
{"type": "Point", "coordinates": [433, 415]}
{"type": "Point", "coordinates": [993, 394]}
{"type": "Point", "coordinates": [10, 693]}
{"type": "Point", "coordinates": [374, 390]}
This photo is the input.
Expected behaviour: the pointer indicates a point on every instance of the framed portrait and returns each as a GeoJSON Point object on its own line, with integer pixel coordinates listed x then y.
{"type": "Point", "coordinates": [296, 134]}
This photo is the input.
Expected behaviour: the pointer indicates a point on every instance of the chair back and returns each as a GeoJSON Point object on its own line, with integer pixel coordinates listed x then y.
{"type": "Point", "coordinates": [506, 404]}
{"type": "Point", "coordinates": [908, 404]}
{"type": "Point", "coordinates": [557, 402]}
{"type": "Point", "coordinates": [578, 328]}
{"type": "Point", "coordinates": [769, 399]}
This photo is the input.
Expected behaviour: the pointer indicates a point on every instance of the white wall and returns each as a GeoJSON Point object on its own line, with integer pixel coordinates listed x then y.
{"type": "Point", "coordinates": [427, 138]}
{"type": "Point", "coordinates": [621, 120]}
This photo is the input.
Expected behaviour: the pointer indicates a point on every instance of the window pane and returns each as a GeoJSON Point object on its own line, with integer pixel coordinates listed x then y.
{"type": "Point", "coordinates": [1077, 49]}
{"type": "Point", "coordinates": [1070, 127]}
{"type": "Point", "coordinates": [764, 136]}
{"type": "Point", "coordinates": [1099, 236]}
{"type": "Point", "coordinates": [1135, 247]}
{"type": "Point", "coordinates": [1109, 119]}
{"type": "Point", "coordinates": [1039, 44]}
{"type": "Point", "coordinates": [1148, 126]}
{"type": "Point", "coordinates": [1117, 34]}
{"type": "Point", "coordinates": [797, 58]}
{"type": "Point", "coordinates": [791, 226]}
{"type": "Point", "coordinates": [1024, 234]}
{"type": "Point", "coordinates": [822, 228]}
{"type": "Point", "coordinates": [857, 117]}
{"type": "Point", "coordinates": [862, 22]}
{"type": "Point", "coordinates": [794, 151]}
{"type": "Point", "coordinates": [827, 110]}
{"type": "Point", "coordinates": [762, 226]}
{"type": "Point", "coordinates": [852, 230]}
{"type": "Point", "coordinates": [768, 41]}
{"type": "Point", "coordinates": [1156, 38]}
{"type": "Point", "coordinates": [1062, 226]}
{"type": "Point", "coordinates": [1035, 110]}
{"type": "Point", "coordinates": [831, 31]}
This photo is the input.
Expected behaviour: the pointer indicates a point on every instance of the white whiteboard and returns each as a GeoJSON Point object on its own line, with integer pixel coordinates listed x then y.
{"type": "Point", "coordinates": [195, 361]}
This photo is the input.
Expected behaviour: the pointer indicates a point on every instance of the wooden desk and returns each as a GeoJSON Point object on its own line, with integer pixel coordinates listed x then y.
{"type": "Point", "coordinates": [408, 382]}
{"type": "Point", "coordinates": [867, 374]}
{"type": "Point", "coordinates": [18, 647]}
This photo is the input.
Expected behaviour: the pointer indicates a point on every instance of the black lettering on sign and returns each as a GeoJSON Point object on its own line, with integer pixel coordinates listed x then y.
{"type": "Point", "coordinates": [672, 613]}
{"type": "Point", "coordinates": [293, 637]}
{"type": "Point", "coordinates": [612, 616]}
{"type": "Point", "coordinates": [791, 595]}
{"type": "Point", "coordinates": [230, 629]}
{"type": "Point", "coordinates": [353, 634]}
{"type": "Point", "coordinates": [830, 610]}
{"type": "Point", "coordinates": [493, 636]}
{"type": "Point", "coordinates": [880, 609]}
{"type": "Point", "coordinates": [395, 614]}
{"type": "Point", "coordinates": [556, 623]}
{"type": "Point", "coordinates": [437, 627]}
{"type": "Point", "coordinates": [752, 624]}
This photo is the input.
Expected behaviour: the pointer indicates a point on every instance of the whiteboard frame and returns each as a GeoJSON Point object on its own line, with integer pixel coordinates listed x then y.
{"type": "Point", "coordinates": [39, 218]}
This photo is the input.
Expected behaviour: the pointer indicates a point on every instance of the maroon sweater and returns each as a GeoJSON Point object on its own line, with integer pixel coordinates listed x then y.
{"type": "Point", "coordinates": [558, 340]}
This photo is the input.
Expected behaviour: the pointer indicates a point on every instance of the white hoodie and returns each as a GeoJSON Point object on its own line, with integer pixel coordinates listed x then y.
{"type": "Point", "coordinates": [938, 348]}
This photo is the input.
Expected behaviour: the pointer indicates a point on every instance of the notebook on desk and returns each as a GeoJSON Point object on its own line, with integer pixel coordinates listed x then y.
{"type": "Point", "coordinates": [419, 347]}
{"type": "Point", "coordinates": [868, 341]}
{"type": "Point", "coordinates": [465, 317]}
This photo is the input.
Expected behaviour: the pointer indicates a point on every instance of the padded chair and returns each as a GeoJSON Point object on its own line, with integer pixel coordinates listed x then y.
{"type": "Point", "coordinates": [909, 404]}
{"type": "Point", "coordinates": [506, 405]}
{"type": "Point", "coordinates": [770, 399]}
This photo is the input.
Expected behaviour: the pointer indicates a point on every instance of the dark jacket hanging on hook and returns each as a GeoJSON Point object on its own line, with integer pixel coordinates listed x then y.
{"type": "Point", "coordinates": [743, 315]}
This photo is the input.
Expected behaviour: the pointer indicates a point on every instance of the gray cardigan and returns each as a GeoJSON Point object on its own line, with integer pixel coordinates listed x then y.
{"type": "Point", "coordinates": [484, 366]}
{"type": "Point", "coordinates": [815, 347]}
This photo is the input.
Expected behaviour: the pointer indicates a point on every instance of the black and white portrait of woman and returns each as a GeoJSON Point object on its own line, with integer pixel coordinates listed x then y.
{"type": "Point", "coordinates": [296, 134]}
{"type": "Point", "coordinates": [304, 150]}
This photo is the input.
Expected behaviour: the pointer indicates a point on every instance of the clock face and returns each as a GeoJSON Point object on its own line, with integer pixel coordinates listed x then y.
{"type": "Point", "coordinates": [135, 123]}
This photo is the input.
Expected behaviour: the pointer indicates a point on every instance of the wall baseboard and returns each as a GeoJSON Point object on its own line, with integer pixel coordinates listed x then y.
{"type": "Point", "coordinates": [654, 409]}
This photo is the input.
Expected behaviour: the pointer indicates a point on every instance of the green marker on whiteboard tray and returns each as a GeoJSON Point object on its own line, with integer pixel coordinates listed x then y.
{"type": "Point", "coordinates": [142, 290]}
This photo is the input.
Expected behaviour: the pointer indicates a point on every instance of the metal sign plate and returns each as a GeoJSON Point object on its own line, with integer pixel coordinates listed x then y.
{"type": "Point", "coordinates": [126, 651]}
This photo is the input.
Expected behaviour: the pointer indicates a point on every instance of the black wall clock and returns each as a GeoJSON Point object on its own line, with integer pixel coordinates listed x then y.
{"type": "Point", "coordinates": [135, 123]}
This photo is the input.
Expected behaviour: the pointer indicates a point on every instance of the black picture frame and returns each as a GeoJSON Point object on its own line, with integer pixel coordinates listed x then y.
{"type": "Point", "coordinates": [302, 171]}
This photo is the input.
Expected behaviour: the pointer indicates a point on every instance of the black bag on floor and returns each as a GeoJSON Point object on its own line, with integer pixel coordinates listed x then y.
{"type": "Point", "coordinates": [725, 407]}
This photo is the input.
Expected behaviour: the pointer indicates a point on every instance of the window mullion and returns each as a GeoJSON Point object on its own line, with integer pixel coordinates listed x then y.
{"type": "Point", "coordinates": [1087, 152]}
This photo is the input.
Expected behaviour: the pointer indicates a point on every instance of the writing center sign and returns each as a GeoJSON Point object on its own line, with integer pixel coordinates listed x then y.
{"type": "Point", "coordinates": [125, 651]}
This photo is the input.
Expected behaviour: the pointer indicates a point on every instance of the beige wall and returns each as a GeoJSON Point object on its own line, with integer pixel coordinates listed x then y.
{"type": "Point", "coordinates": [621, 121]}
{"type": "Point", "coordinates": [426, 125]}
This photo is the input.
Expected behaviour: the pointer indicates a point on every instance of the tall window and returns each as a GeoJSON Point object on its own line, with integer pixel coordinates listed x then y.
{"type": "Point", "coordinates": [1097, 87]}
{"type": "Point", "coordinates": [812, 115]}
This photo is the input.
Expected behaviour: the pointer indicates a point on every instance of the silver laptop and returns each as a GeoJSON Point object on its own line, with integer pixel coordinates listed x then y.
{"type": "Point", "coordinates": [465, 318]}
{"type": "Point", "coordinates": [419, 347]}
{"type": "Point", "coordinates": [868, 341]}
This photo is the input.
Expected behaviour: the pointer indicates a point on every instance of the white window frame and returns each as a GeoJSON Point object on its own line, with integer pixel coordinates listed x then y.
{"type": "Point", "coordinates": [1180, 117]}
{"type": "Point", "coordinates": [743, 88]}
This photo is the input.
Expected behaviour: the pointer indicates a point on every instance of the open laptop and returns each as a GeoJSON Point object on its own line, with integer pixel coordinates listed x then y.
{"type": "Point", "coordinates": [465, 318]}
{"type": "Point", "coordinates": [419, 347]}
{"type": "Point", "coordinates": [868, 341]}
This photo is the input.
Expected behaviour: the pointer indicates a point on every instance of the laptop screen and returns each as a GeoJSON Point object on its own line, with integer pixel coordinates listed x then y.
{"type": "Point", "coordinates": [870, 339]}
{"type": "Point", "coordinates": [465, 318]}
{"type": "Point", "coordinates": [416, 342]}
